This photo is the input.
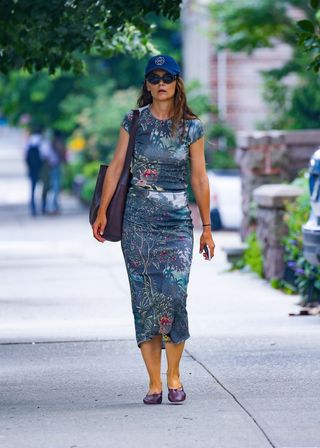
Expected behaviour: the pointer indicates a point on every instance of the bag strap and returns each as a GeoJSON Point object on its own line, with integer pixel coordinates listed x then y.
{"type": "Point", "coordinates": [132, 139]}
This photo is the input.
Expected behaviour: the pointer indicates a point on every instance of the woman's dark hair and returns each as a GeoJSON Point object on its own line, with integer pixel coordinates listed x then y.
{"type": "Point", "coordinates": [181, 111]}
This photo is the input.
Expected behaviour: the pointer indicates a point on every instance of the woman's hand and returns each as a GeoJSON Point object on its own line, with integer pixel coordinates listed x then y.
{"type": "Point", "coordinates": [99, 225]}
{"type": "Point", "coordinates": [206, 238]}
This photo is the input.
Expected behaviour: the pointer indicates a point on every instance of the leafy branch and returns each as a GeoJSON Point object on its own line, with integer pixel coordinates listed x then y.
{"type": "Point", "coordinates": [35, 34]}
{"type": "Point", "coordinates": [309, 36]}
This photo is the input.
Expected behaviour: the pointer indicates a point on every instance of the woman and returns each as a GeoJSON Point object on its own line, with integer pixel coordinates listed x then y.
{"type": "Point", "coordinates": [157, 237]}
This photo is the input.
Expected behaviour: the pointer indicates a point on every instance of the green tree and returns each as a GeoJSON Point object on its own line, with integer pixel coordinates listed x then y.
{"type": "Point", "coordinates": [35, 98]}
{"type": "Point", "coordinates": [127, 70]}
{"type": "Point", "coordinates": [309, 35]}
{"type": "Point", "coordinates": [41, 99]}
{"type": "Point", "coordinates": [98, 117]}
{"type": "Point", "coordinates": [247, 25]}
{"type": "Point", "coordinates": [35, 34]}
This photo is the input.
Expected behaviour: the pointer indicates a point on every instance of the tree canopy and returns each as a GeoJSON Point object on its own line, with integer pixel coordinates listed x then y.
{"type": "Point", "coordinates": [250, 25]}
{"type": "Point", "coordinates": [309, 36]}
{"type": "Point", "coordinates": [35, 34]}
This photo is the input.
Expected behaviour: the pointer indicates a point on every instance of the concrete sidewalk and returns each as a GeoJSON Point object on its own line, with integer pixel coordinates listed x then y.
{"type": "Point", "coordinates": [72, 376]}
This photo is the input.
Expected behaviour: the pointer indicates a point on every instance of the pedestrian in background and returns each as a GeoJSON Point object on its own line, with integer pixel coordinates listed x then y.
{"type": "Point", "coordinates": [54, 153]}
{"type": "Point", "coordinates": [34, 161]}
{"type": "Point", "coordinates": [157, 235]}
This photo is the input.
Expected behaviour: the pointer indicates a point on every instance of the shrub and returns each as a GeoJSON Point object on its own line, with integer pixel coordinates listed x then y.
{"type": "Point", "coordinates": [87, 190]}
{"type": "Point", "coordinates": [91, 169]}
{"type": "Point", "coordinates": [306, 279]}
{"type": "Point", "coordinates": [220, 147]}
{"type": "Point", "coordinates": [300, 276]}
{"type": "Point", "coordinates": [252, 257]}
{"type": "Point", "coordinates": [253, 254]}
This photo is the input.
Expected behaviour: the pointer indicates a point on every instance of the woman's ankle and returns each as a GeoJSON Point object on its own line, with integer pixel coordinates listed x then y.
{"type": "Point", "coordinates": [173, 380]}
{"type": "Point", "coordinates": [155, 386]}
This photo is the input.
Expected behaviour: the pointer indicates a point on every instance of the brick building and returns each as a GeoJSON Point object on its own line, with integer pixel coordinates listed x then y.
{"type": "Point", "coordinates": [232, 80]}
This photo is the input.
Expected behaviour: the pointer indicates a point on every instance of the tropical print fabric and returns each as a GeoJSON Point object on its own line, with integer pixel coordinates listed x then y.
{"type": "Point", "coordinates": [157, 238]}
{"type": "Point", "coordinates": [159, 159]}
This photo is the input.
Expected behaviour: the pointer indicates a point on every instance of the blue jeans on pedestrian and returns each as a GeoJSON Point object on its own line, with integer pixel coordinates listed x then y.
{"type": "Point", "coordinates": [55, 176]}
{"type": "Point", "coordinates": [34, 178]}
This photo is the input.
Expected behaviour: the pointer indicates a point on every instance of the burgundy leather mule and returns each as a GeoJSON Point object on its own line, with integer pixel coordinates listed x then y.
{"type": "Point", "coordinates": [153, 399]}
{"type": "Point", "coordinates": [176, 395]}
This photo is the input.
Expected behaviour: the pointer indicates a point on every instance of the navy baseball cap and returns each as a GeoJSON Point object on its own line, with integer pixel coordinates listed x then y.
{"type": "Point", "coordinates": [163, 62]}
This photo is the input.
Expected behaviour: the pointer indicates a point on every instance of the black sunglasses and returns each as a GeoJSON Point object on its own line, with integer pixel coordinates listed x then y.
{"type": "Point", "coordinates": [155, 79]}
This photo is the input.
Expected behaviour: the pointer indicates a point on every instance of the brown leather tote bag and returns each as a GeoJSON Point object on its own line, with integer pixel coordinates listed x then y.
{"type": "Point", "coordinates": [113, 229]}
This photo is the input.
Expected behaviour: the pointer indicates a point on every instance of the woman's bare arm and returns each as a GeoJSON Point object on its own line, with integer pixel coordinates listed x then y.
{"type": "Point", "coordinates": [200, 187]}
{"type": "Point", "coordinates": [199, 179]}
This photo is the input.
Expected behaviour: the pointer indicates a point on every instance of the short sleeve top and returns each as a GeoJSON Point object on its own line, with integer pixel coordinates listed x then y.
{"type": "Point", "coordinates": [160, 160]}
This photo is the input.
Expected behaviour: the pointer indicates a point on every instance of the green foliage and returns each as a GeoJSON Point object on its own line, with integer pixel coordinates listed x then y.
{"type": "Point", "coordinates": [306, 276]}
{"type": "Point", "coordinates": [88, 175]}
{"type": "Point", "coordinates": [91, 169]}
{"type": "Point", "coordinates": [247, 25]}
{"type": "Point", "coordinates": [220, 138]}
{"type": "Point", "coordinates": [284, 286]}
{"type": "Point", "coordinates": [292, 107]}
{"type": "Point", "coordinates": [99, 118]}
{"type": "Point", "coordinates": [238, 263]}
{"type": "Point", "coordinates": [277, 96]}
{"type": "Point", "coordinates": [221, 143]}
{"type": "Point", "coordinates": [309, 37]}
{"type": "Point", "coordinates": [87, 190]}
{"type": "Point", "coordinates": [57, 34]}
{"type": "Point", "coordinates": [69, 171]}
{"type": "Point", "coordinates": [306, 26]}
{"type": "Point", "coordinates": [127, 70]}
{"type": "Point", "coordinates": [46, 100]}
{"type": "Point", "coordinates": [35, 97]}
{"type": "Point", "coordinates": [253, 254]}
{"type": "Point", "coordinates": [252, 257]}
{"type": "Point", "coordinates": [91, 104]}
{"type": "Point", "coordinates": [98, 122]}
{"type": "Point", "coordinates": [297, 213]}
{"type": "Point", "coordinates": [300, 276]}
{"type": "Point", "coordinates": [198, 100]}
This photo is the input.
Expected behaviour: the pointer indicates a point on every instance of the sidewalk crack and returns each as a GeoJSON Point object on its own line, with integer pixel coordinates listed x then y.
{"type": "Point", "coordinates": [233, 396]}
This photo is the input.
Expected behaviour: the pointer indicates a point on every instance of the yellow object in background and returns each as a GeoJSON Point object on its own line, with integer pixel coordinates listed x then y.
{"type": "Point", "coordinates": [77, 143]}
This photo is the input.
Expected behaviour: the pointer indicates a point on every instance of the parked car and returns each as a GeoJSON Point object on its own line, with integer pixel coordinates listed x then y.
{"type": "Point", "coordinates": [311, 229]}
{"type": "Point", "coordinates": [225, 199]}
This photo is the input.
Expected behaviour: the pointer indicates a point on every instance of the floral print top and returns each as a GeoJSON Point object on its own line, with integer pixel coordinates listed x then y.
{"type": "Point", "coordinates": [160, 160]}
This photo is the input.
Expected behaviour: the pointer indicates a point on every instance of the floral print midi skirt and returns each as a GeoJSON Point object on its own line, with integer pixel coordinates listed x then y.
{"type": "Point", "coordinates": [157, 244]}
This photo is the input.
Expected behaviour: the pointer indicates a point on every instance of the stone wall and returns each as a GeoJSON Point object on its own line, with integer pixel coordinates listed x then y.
{"type": "Point", "coordinates": [270, 157]}
{"type": "Point", "coordinates": [271, 228]}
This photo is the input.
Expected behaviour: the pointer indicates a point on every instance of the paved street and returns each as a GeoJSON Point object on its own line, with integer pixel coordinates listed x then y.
{"type": "Point", "coordinates": [71, 375]}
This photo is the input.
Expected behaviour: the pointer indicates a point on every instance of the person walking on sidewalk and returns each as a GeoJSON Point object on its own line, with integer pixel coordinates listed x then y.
{"type": "Point", "coordinates": [157, 234]}
{"type": "Point", "coordinates": [34, 160]}
{"type": "Point", "coordinates": [54, 151]}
